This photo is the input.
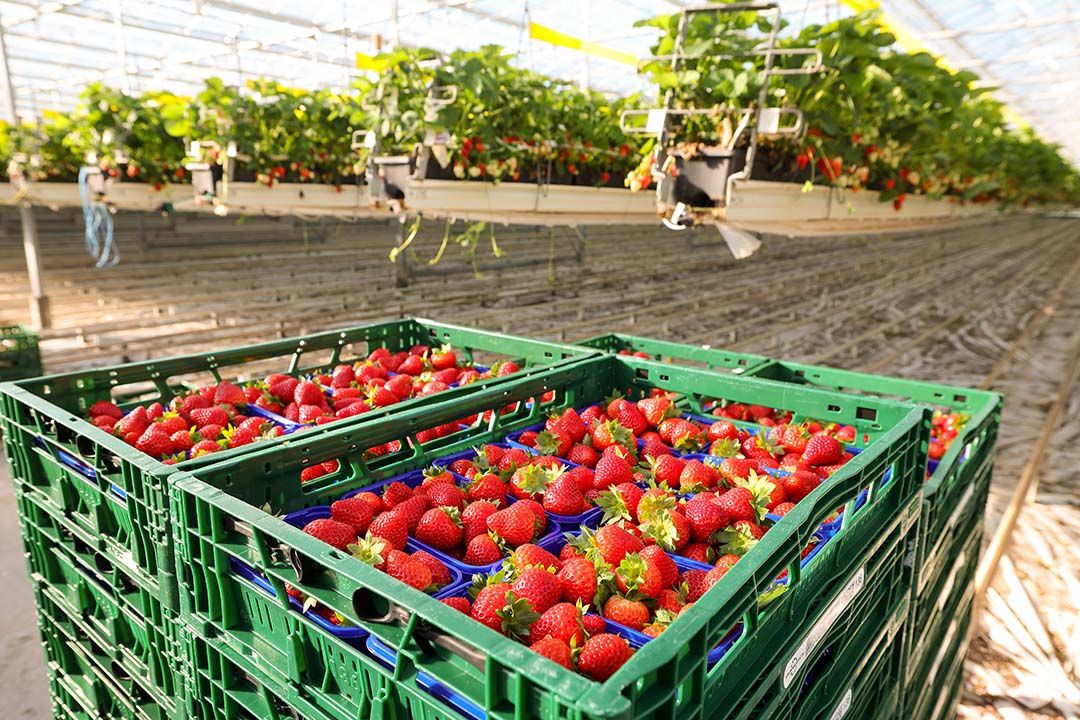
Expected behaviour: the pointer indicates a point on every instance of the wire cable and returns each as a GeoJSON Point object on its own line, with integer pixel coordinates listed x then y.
{"type": "Point", "coordinates": [99, 226]}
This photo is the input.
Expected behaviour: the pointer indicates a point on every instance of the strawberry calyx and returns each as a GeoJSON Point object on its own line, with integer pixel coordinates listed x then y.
{"type": "Point", "coordinates": [761, 489]}
{"type": "Point", "coordinates": [517, 616]}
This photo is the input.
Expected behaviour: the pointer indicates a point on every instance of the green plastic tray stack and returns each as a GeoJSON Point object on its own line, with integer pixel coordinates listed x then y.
{"type": "Point", "coordinates": [94, 511]}
{"type": "Point", "coordinates": [19, 354]}
{"type": "Point", "coordinates": [143, 615]}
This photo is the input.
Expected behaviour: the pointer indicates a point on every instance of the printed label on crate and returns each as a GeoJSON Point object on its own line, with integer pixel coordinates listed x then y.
{"type": "Point", "coordinates": [842, 708]}
{"type": "Point", "coordinates": [961, 507]}
{"type": "Point", "coordinates": [957, 568]}
{"type": "Point", "coordinates": [821, 627]}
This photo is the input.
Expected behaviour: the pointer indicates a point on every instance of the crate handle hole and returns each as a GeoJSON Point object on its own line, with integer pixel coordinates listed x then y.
{"type": "Point", "coordinates": [865, 413]}
{"type": "Point", "coordinates": [372, 606]}
{"type": "Point", "coordinates": [305, 567]}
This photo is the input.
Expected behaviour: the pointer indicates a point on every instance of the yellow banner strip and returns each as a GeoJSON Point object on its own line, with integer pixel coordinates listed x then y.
{"type": "Point", "coordinates": [369, 62]}
{"type": "Point", "coordinates": [554, 37]}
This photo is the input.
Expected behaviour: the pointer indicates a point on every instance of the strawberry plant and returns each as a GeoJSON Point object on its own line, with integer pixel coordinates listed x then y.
{"type": "Point", "coordinates": [878, 117]}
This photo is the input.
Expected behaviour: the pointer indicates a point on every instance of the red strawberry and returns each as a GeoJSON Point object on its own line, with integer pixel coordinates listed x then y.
{"type": "Point", "coordinates": [412, 510]}
{"type": "Point", "coordinates": [579, 581]}
{"type": "Point", "coordinates": [104, 407]}
{"type": "Point", "coordinates": [737, 504]}
{"type": "Point", "coordinates": [135, 421]}
{"type": "Point", "coordinates": [638, 577]}
{"type": "Point", "coordinates": [654, 448]}
{"type": "Point", "coordinates": [474, 518]}
{"type": "Point", "coordinates": [502, 611]}
{"type": "Point", "coordinates": [667, 470]}
{"type": "Point", "coordinates": [583, 477]}
{"type": "Point", "coordinates": [613, 543]}
{"type": "Point", "coordinates": [155, 441]}
{"type": "Point", "coordinates": [209, 416]}
{"type": "Point", "coordinates": [564, 497]}
{"type": "Point", "coordinates": [670, 599]}
{"type": "Point", "coordinates": [403, 567]}
{"type": "Point", "coordinates": [656, 409]}
{"type": "Point", "coordinates": [440, 528]}
{"type": "Point", "coordinates": [822, 450]}
{"type": "Point", "coordinates": [799, 484]}
{"type": "Point", "coordinates": [203, 447]}
{"type": "Point", "coordinates": [620, 502]}
{"type": "Point", "coordinates": [440, 574]}
{"type": "Point", "coordinates": [553, 443]}
{"type": "Point", "coordinates": [538, 513]}
{"type": "Point", "coordinates": [351, 511]}
{"type": "Point", "coordinates": [606, 434]}
{"type": "Point", "coordinates": [507, 367]}
{"type": "Point", "coordinates": [529, 555]}
{"type": "Point", "coordinates": [412, 365]}
{"type": "Point", "coordinates": [228, 394]}
{"type": "Point", "coordinates": [783, 509]}
{"type": "Point", "coordinates": [284, 388]}
{"type": "Point", "coordinates": [593, 624]}
{"type": "Point", "coordinates": [461, 604]}
{"type": "Point", "coordinates": [705, 518]}
{"type": "Point", "coordinates": [561, 621]}
{"type": "Point", "coordinates": [628, 415]}
{"type": "Point", "coordinates": [695, 584]}
{"type": "Point", "coordinates": [448, 495]}
{"type": "Point", "coordinates": [510, 458]}
{"type": "Point", "coordinates": [105, 422]}
{"type": "Point", "coordinates": [515, 525]}
{"type": "Point", "coordinates": [400, 386]}
{"type": "Point", "coordinates": [528, 438]}
{"type": "Point", "coordinates": [540, 587]}
{"type": "Point", "coordinates": [482, 550]}
{"type": "Point", "coordinates": [611, 470]}
{"type": "Point", "coordinates": [570, 424]}
{"type": "Point", "coordinates": [333, 533]}
{"type": "Point", "coordinates": [696, 477]}
{"type": "Point", "coordinates": [583, 455]}
{"type": "Point", "coordinates": [555, 650]}
{"type": "Point", "coordinates": [530, 481]}
{"type": "Point", "coordinates": [181, 441]}
{"type": "Point", "coordinates": [631, 613]}
{"type": "Point", "coordinates": [374, 502]}
{"type": "Point", "coordinates": [395, 493]}
{"type": "Point", "coordinates": [699, 552]}
{"type": "Point", "coordinates": [592, 415]}
{"type": "Point", "coordinates": [391, 527]}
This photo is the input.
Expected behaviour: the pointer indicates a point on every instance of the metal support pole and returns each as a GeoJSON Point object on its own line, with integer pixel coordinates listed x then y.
{"type": "Point", "coordinates": [39, 304]}
{"type": "Point", "coordinates": [121, 45]}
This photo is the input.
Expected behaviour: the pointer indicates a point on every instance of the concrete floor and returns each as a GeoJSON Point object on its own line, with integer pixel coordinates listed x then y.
{"type": "Point", "coordinates": [23, 685]}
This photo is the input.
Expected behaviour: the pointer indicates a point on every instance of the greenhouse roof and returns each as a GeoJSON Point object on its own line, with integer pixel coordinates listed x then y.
{"type": "Point", "coordinates": [1024, 48]}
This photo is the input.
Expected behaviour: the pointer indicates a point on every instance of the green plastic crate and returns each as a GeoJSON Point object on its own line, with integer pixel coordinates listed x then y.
{"type": "Point", "coordinates": [118, 493]}
{"type": "Point", "coordinates": [969, 457]}
{"type": "Point", "coordinates": [942, 605]}
{"type": "Point", "coordinates": [95, 600]}
{"type": "Point", "coordinates": [85, 683]}
{"type": "Point", "coordinates": [671, 352]}
{"type": "Point", "coordinates": [869, 675]}
{"type": "Point", "coordinates": [218, 518]}
{"type": "Point", "coordinates": [936, 698]}
{"type": "Point", "coordinates": [20, 356]}
{"type": "Point", "coordinates": [970, 508]}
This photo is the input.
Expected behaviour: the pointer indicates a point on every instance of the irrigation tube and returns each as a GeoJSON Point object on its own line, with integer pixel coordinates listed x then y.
{"type": "Point", "coordinates": [99, 226]}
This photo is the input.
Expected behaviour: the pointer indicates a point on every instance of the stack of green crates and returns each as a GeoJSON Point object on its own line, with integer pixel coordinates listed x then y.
{"type": "Point", "coordinates": [94, 511]}
{"type": "Point", "coordinates": [954, 496]}
{"type": "Point", "coordinates": [144, 613]}
{"type": "Point", "coordinates": [19, 354]}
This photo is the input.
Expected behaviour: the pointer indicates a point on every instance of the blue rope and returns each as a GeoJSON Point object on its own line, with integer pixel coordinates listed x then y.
{"type": "Point", "coordinates": [99, 226]}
